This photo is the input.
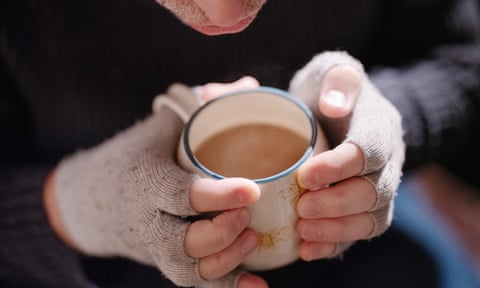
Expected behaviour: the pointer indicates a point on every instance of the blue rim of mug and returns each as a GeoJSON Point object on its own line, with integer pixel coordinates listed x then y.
{"type": "Point", "coordinates": [261, 89]}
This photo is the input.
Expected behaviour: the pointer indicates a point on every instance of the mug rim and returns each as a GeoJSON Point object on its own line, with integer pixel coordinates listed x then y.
{"type": "Point", "coordinates": [262, 89]}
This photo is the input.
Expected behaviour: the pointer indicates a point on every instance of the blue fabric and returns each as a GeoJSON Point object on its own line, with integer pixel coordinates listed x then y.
{"type": "Point", "coordinates": [419, 219]}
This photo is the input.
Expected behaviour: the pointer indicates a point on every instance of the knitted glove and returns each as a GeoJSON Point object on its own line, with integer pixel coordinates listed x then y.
{"type": "Point", "coordinates": [374, 125]}
{"type": "Point", "coordinates": [127, 197]}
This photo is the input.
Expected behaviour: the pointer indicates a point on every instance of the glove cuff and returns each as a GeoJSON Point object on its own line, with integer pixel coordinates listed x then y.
{"type": "Point", "coordinates": [97, 190]}
{"type": "Point", "coordinates": [307, 82]}
{"type": "Point", "coordinates": [165, 239]}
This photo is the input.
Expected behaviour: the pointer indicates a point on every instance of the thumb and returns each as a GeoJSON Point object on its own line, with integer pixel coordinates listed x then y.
{"type": "Point", "coordinates": [330, 85]}
{"type": "Point", "coordinates": [340, 89]}
{"type": "Point", "coordinates": [251, 281]}
{"type": "Point", "coordinates": [210, 91]}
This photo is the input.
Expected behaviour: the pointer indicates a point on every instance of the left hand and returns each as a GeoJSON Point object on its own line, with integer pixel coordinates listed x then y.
{"type": "Point", "coordinates": [359, 176]}
{"type": "Point", "coordinates": [350, 189]}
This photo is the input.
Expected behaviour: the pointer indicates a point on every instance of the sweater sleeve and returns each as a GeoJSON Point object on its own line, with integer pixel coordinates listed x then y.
{"type": "Point", "coordinates": [439, 100]}
{"type": "Point", "coordinates": [30, 253]}
{"type": "Point", "coordinates": [439, 95]}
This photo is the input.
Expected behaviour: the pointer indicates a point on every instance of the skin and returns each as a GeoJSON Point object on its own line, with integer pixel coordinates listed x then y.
{"type": "Point", "coordinates": [214, 17]}
{"type": "Point", "coordinates": [328, 215]}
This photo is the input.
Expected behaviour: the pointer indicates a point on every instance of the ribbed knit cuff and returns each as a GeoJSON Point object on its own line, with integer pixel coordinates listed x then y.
{"type": "Point", "coordinates": [436, 102]}
{"type": "Point", "coordinates": [396, 89]}
{"type": "Point", "coordinates": [30, 252]}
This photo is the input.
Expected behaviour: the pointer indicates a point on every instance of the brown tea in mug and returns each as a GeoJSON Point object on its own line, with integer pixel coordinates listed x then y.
{"type": "Point", "coordinates": [252, 151]}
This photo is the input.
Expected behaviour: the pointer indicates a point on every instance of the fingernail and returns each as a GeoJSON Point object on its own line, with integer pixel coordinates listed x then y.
{"type": "Point", "coordinates": [249, 280]}
{"type": "Point", "coordinates": [197, 90]}
{"type": "Point", "coordinates": [311, 232]}
{"type": "Point", "coordinates": [243, 219]}
{"type": "Point", "coordinates": [321, 251]}
{"type": "Point", "coordinates": [335, 98]}
{"type": "Point", "coordinates": [248, 82]}
{"type": "Point", "coordinates": [308, 178]}
{"type": "Point", "coordinates": [315, 254]}
{"type": "Point", "coordinates": [249, 244]}
{"type": "Point", "coordinates": [308, 210]}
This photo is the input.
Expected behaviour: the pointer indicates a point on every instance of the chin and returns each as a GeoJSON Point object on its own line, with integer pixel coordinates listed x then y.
{"type": "Point", "coordinates": [214, 30]}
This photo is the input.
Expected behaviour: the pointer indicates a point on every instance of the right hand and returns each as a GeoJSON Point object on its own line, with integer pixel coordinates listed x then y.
{"type": "Point", "coordinates": [222, 243]}
{"type": "Point", "coordinates": [127, 197]}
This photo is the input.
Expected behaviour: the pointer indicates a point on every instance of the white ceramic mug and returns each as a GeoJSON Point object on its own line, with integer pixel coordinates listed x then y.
{"type": "Point", "coordinates": [274, 216]}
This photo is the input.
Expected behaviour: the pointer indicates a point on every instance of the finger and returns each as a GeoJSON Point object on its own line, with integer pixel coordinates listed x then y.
{"type": "Point", "coordinates": [342, 229]}
{"type": "Point", "coordinates": [343, 162]}
{"type": "Point", "coordinates": [348, 197]}
{"type": "Point", "coordinates": [317, 250]}
{"type": "Point", "coordinates": [221, 263]}
{"type": "Point", "coordinates": [341, 87]}
{"type": "Point", "coordinates": [251, 281]}
{"type": "Point", "coordinates": [209, 91]}
{"type": "Point", "coordinates": [207, 195]}
{"type": "Point", "coordinates": [209, 236]}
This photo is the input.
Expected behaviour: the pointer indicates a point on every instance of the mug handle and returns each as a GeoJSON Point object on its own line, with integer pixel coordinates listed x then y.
{"type": "Point", "coordinates": [179, 98]}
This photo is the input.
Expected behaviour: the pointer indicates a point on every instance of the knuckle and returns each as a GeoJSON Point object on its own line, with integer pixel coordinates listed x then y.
{"type": "Point", "coordinates": [227, 228]}
{"type": "Point", "coordinates": [329, 250]}
{"type": "Point", "coordinates": [222, 238]}
{"type": "Point", "coordinates": [371, 227]}
{"type": "Point", "coordinates": [192, 247]}
{"type": "Point", "coordinates": [321, 208]}
{"type": "Point", "coordinates": [385, 184]}
{"type": "Point", "coordinates": [339, 200]}
{"type": "Point", "coordinates": [381, 220]}
{"type": "Point", "coordinates": [205, 272]}
{"type": "Point", "coordinates": [342, 208]}
{"type": "Point", "coordinates": [338, 171]}
{"type": "Point", "coordinates": [333, 250]}
{"type": "Point", "coordinates": [371, 193]}
{"type": "Point", "coordinates": [377, 155]}
{"type": "Point", "coordinates": [217, 265]}
{"type": "Point", "coordinates": [341, 230]}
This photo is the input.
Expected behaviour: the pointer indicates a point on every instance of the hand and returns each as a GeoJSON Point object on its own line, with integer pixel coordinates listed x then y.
{"type": "Point", "coordinates": [127, 197]}
{"type": "Point", "coordinates": [223, 242]}
{"type": "Point", "coordinates": [350, 189]}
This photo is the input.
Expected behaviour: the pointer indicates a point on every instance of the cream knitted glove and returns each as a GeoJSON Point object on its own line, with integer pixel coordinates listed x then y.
{"type": "Point", "coordinates": [127, 197]}
{"type": "Point", "coordinates": [374, 125]}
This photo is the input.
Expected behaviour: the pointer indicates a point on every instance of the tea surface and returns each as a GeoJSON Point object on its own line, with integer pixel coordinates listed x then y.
{"type": "Point", "coordinates": [252, 151]}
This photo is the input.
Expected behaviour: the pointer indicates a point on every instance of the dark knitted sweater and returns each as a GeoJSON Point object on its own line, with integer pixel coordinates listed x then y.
{"type": "Point", "coordinates": [73, 73]}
